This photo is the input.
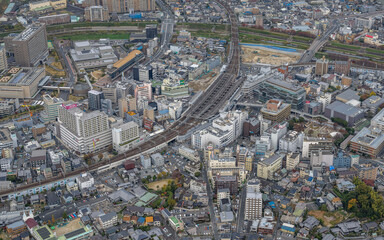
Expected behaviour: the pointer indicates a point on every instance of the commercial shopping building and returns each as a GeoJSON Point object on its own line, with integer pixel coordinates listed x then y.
{"type": "Point", "coordinates": [20, 82]}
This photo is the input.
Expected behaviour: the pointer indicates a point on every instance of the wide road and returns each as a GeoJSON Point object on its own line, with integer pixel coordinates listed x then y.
{"type": "Point", "coordinates": [167, 26]}
{"type": "Point", "coordinates": [318, 43]}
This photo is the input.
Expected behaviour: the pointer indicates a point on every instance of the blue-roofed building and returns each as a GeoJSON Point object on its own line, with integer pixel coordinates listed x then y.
{"type": "Point", "coordinates": [141, 220]}
{"type": "Point", "coordinates": [9, 8]}
{"type": "Point", "coordinates": [342, 160]}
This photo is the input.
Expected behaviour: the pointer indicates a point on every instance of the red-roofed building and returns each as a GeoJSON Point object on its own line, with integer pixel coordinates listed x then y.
{"type": "Point", "coordinates": [31, 223]}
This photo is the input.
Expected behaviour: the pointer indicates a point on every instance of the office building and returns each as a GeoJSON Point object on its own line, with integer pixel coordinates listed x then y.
{"type": "Point", "coordinates": [276, 110]}
{"type": "Point", "coordinates": [145, 161]}
{"type": "Point", "coordinates": [94, 99]}
{"type": "Point", "coordinates": [143, 91]}
{"type": "Point", "coordinates": [345, 112]}
{"type": "Point", "coordinates": [253, 204]}
{"type": "Point", "coordinates": [266, 168]}
{"type": "Point", "coordinates": [325, 100]}
{"type": "Point", "coordinates": [123, 106]}
{"type": "Point", "coordinates": [249, 162]}
{"type": "Point", "coordinates": [51, 106]}
{"type": "Point", "coordinates": [30, 47]}
{"type": "Point", "coordinates": [291, 142]}
{"type": "Point", "coordinates": [227, 182]}
{"type": "Point", "coordinates": [125, 136]}
{"type": "Point", "coordinates": [314, 144]}
{"type": "Point", "coordinates": [224, 130]}
{"type": "Point", "coordinates": [126, 63]}
{"type": "Point", "coordinates": [151, 31]}
{"type": "Point", "coordinates": [174, 88]}
{"type": "Point", "coordinates": [251, 127]}
{"type": "Point", "coordinates": [149, 113]}
{"type": "Point", "coordinates": [143, 73]}
{"type": "Point", "coordinates": [96, 14]}
{"type": "Point", "coordinates": [175, 109]}
{"type": "Point", "coordinates": [292, 160]}
{"type": "Point", "coordinates": [84, 132]}
{"type": "Point", "coordinates": [8, 106]}
{"type": "Point", "coordinates": [321, 158]}
{"type": "Point", "coordinates": [321, 66]}
{"type": "Point", "coordinates": [157, 160]}
{"type": "Point", "coordinates": [241, 155]}
{"type": "Point", "coordinates": [132, 103]}
{"type": "Point", "coordinates": [276, 132]}
{"type": "Point", "coordinates": [369, 141]}
{"type": "Point", "coordinates": [288, 92]}
{"type": "Point", "coordinates": [20, 82]}
{"type": "Point", "coordinates": [106, 106]}
{"type": "Point", "coordinates": [3, 58]}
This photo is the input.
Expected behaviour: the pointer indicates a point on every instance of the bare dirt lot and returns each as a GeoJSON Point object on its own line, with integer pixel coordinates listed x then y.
{"type": "Point", "coordinates": [264, 56]}
{"type": "Point", "coordinates": [202, 83]}
{"type": "Point", "coordinates": [159, 184]}
{"type": "Point", "coordinates": [70, 227]}
{"type": "Point", "coordinates": [329, 218]}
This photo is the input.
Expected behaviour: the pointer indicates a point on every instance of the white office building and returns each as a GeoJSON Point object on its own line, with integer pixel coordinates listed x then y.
{"type": "Point", "coordinates": [85, 181]}
{"type": "Point", "coordinates": [145, 161]}
{"type": "Point", "coordinates": [224, 130]}
{"type": "Point", "coordinates": [157, 159]}
{"type": "Point", "coordinates": [291, 142]}
{"type": "Point", "coordinates": [125, 136]}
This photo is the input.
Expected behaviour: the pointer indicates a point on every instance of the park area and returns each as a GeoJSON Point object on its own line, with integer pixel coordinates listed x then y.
{"type": "Point", "coordinates": [159, 184]}
{"type": "Point", "coordinates": [328, 219]}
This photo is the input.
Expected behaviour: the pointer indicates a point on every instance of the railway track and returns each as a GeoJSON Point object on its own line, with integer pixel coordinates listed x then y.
{"type": "Point", "coordinates": [206, 106]}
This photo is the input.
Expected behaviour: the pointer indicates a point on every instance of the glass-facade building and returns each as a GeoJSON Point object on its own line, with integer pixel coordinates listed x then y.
{"type": "Point", "coordinates": [278, 89]}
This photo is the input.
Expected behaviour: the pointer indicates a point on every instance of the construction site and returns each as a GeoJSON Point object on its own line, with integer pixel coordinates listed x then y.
{"type": "Point", "coordinates": [253, 53]}
{"type": "Point", "coordinates": [204, 81]}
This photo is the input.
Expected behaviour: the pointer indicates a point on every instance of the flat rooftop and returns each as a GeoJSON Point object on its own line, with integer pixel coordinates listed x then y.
{"type": "Point", "coordinates": [28, 32]}
{"type": "Point", "coordinates": [20, 76]}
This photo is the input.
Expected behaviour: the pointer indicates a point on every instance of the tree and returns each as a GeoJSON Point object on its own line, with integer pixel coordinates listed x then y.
{"type": "Point", "coordinates": [154, 177]}
{"type": "Point", "coordinates": [197, 174]}
{"type": "Point", "coordinates": [110, 148]}
{"type": "Point", "coordinates": [149, 178]}
{"type": "Point", "coordinates": [352, 203]}
{"type": "Point", "coordinates": [100, 156]}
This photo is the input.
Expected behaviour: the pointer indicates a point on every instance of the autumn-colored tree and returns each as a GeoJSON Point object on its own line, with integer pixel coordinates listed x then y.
{"type": "Point", "coordinates": [352, 203]}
